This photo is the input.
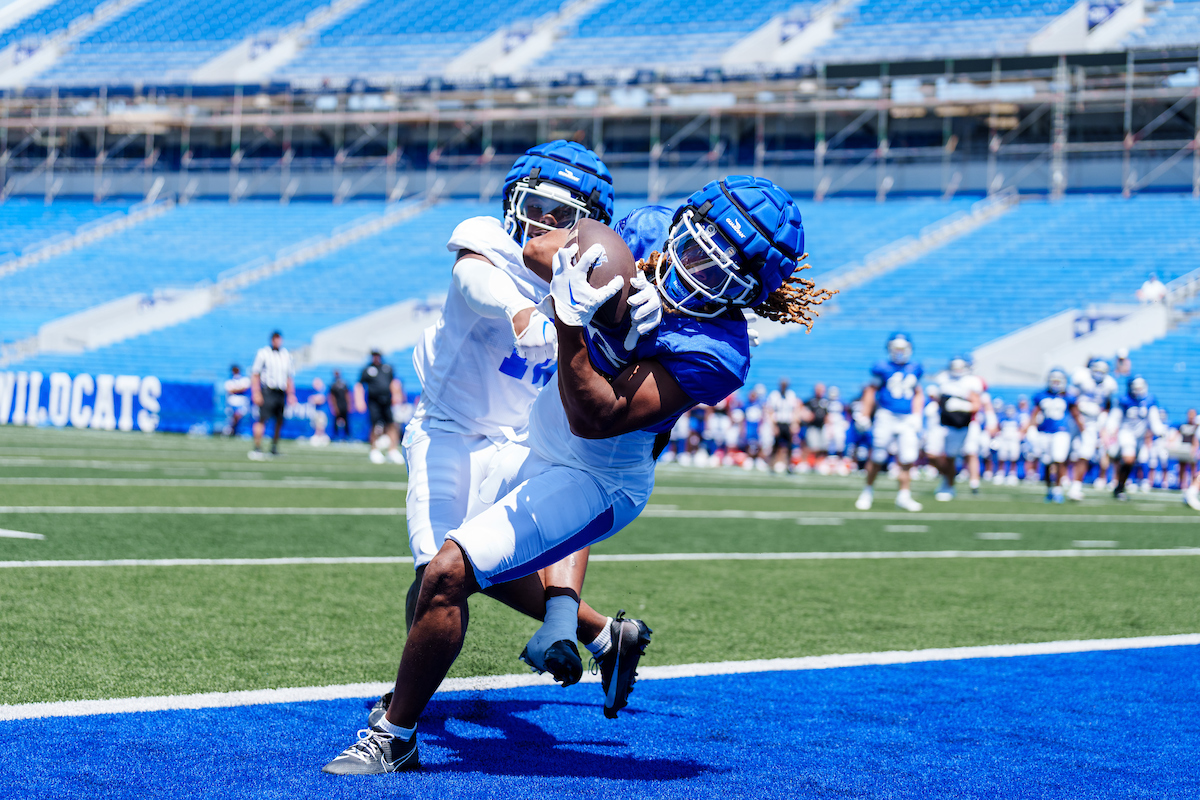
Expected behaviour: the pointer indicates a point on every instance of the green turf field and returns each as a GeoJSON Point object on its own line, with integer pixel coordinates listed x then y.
{"type": "Point", "coordinates": [79, 632]}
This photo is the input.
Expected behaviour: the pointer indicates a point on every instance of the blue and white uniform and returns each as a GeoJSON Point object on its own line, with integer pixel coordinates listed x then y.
{"type": "Point", "coordinates": [1008, 439]}
{"type": "Point", "coordinates": [895, 428]}
{"type": "Point", "coordinates": [1054, 426]}
{"type": "Point", "coordinates": [558, 493]}
{"type": "Point", "coordinates": [1094, 399]}
{"type": "Point", "coordinates": [1134, 417]}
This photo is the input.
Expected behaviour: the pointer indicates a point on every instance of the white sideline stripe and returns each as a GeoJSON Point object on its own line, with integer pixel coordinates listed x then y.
{"type": "Point", "coordinates": [249, 510]}
{"type": "Point", "coordinates": [215, 483]}
{"type": "Point", "coordinates": [79, 708]}
{"type": "Point", "coordinates": [19, 535]}
{"type": "Point", "coordinates": [617, 557]}
{"type": "Point", "coordinates": [732, 513]}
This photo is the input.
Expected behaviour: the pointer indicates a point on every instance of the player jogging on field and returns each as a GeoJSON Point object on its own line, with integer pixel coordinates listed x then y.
{"type": "Point", "coordinates": [1095, 392]}
{"type": "Point", "coordinates": [1136, 414]}
{"type": "Point", "coordinates": [1051, 407]}
{"type": "Point", "coordinates": [895, 399]}
{"type": "Point", "coordinates": [958, 402]}
{"type": "Point", "coordinates": [588, 468]}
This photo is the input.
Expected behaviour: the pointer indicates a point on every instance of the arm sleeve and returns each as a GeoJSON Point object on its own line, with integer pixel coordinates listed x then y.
{"type": "Point", "coordinates": [258, 363]}
{"type": "Point", "coordinates": [489, 292]}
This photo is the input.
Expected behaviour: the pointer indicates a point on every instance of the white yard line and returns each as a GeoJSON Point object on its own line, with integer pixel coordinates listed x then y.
{"type": "Point", "coordinates": [19, 535]}
{"type": "Point", "coordinates": [882, 555]}
{"type": "Point", "coordinates": [653, 510]}
{"type": "Point", "coordinates": [78, 708]}
{"type": "Point", "coordinates": [216, 483]}
{"type": "Point", "coordinates": [201, 510]}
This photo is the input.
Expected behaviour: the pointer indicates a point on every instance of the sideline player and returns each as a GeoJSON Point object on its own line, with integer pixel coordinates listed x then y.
{"type": "Point", "coordinates": [1094, 391]}
{"type": "Point", "coordinates": [1051, 407]}
{"type": "Point", "coordinates": [958, 402]}
{"type": "Point", "coordinates": [588, 468]}
{"type": "Point", "coordinates": [1136, 414]}
{"type": "Point", "coordinates": [895, 398]}
{"type": "Point", "coordinates": [376, 392]}
{"type": "Point", "coordinates": [237, 399]}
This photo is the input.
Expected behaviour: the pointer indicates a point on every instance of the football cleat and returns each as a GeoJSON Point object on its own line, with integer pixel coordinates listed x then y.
{"type": "Point", "coordinates": [864, 501]}
{"type": "Point", "coordinates": [377, 457]}
{"type": "Point", "coordinates": [1191, 499]}
{"type": "Point", "coordinates": [1075, 493]}
{"type": "Point", "coordinates": [561, 659]}
{"type": "Point", "coordinates": [378, 710]}
{"type": "Point", "coordinates": [1120, 495]}
{"type": "Point", "coordinates": [907, 503]}
{"type": "Point", "coordinates": [618, 667]}
{"type": "Point", "coordinates": [256, 455]}
{"type": "Point", "coordinates": [376, 752]}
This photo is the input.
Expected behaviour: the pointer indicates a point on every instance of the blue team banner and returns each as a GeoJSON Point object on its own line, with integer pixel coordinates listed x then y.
{"type": "Point", "coordinates": [104, 402]}
{"type": "Point", "coordinates": [146, 403]}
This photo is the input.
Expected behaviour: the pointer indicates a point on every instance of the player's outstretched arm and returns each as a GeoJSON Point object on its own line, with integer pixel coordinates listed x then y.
{"type": "Point", "coordinates": [643, 394]}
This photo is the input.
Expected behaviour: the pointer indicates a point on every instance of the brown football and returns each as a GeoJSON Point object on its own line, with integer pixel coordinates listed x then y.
{"type": "Point", "coordinates": [613, 316]}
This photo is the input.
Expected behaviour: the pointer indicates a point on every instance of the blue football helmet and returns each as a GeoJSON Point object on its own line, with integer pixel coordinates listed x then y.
{"type": "Point", "coordinates": [899, 348]}
{"type": "Point", "coordinates": [1057, 380]}
{"type": "Point", "coordinates": [730, 245]}
{"type": "Point", "coordinates": [554, 185]}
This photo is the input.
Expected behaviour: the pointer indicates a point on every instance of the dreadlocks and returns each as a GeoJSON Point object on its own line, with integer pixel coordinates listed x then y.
{"type": "Point", "coordinates": [795, 301]}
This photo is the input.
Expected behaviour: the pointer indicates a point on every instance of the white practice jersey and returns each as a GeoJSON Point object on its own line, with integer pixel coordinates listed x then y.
{"type": "Point", "coordinates": [623, 463]}
{"type": "Point", "coordinates": [956, 393]}
{"type": "Point", "coordinates": [1093, 398]}
{"type": "Point", "coordinates": [468, 364]}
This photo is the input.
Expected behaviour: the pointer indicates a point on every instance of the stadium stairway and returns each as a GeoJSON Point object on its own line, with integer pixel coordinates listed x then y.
{"type": "Point", "coordinates": [1037, 260]}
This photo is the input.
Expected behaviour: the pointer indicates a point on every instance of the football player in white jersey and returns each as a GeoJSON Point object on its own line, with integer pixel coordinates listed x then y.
{"type": "Point", "coordinates": [958, 400]}
{"type": "Point", "coordinates": [486, 359]}
{"type": "Point", "coordinates": [588, 468]}
{"type": "Point", "coordinates": [1094, 391]}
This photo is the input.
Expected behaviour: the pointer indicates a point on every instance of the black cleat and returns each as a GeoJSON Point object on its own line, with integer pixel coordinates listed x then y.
{"type": "Point", "coordinates": [561, 660]}
{"type": "Point", "coordinates": [1120, 495]}
{"type": "Point", "coordinates": [378, 710]}
{"type": "Point", "coordinates": [375, 753]}
{"type": "Point", "coordinates": [618, 667]}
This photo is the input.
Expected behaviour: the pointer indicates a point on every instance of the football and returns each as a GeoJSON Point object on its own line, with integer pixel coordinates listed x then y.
{"type": "Point", "coordinates": [613, 316]}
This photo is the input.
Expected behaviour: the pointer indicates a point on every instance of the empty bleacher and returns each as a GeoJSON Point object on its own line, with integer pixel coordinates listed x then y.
{"type": "Point", "coordinates": [1037, 260]}
{"type": "Point", "coordinates": [166, 40]}
{"type": "Point", "coordinates": [396, 37]}
{"type": "Point", "coordinates": [190, 244]}
{"type": "Point", "coordinates": [667, 34]}
{"type": "Point", "coordinates": [405, 261]}
{"type": "Point", "coordinates": [1171, 367]}
{"type": "Point", "coordinates": [47, 22]}
{"type": "Point", "coordinates": [27, 224]}
{"type": "Point", "coordinates": [915, 29]}
{"type": "Point", "coordinates": [1176, 24]}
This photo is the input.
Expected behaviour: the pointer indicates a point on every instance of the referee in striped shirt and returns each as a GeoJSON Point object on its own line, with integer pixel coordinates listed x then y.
{"type": "Point", "coordinates": [272, 387]}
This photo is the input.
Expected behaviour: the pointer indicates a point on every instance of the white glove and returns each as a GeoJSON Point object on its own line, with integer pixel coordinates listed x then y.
{"type": "Point", "coordinates": [575, 300]}
{"type": "Point", "coordinates": [645, 310]}
{"type": "Point", "coordinates": [755, 339]}
{"type": "Point", "coordinates": [539, 341]}
{"type": "Point", "coordinates": [862, 422]}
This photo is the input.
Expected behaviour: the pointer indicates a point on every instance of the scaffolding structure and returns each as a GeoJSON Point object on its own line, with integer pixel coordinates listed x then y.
{"type": "Point", "coordinates": [1127, 122]}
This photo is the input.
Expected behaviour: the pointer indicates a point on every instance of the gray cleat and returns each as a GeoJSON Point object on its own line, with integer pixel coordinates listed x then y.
{"type": "Point", "coordinates": [378, 710]}
{"type": "Point", "coordinates": [618, 667]}
{"type": "Point", "coordinates": [375, 753]}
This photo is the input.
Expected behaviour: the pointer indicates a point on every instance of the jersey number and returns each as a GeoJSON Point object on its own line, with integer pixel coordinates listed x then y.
{"type": "Point", "coordinates": [901, 386]}
{"type": "Point", "coordinates": [1054, 409]}
{"type": "Point", "coordinates": [516, 367]}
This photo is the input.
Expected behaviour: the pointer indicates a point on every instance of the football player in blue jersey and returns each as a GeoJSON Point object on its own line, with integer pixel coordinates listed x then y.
{"type": "Point", "coordinates": [896, 400]}
{"type": "Point", "coordinates": [1051, 408]}
{"type": "Point", "coordinates": [587, 468]}
{"type": "Point", "coordinates": [1136, 414]}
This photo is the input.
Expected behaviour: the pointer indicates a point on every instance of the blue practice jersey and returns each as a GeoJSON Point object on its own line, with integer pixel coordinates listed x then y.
{"type": "Point", "coordinates": [1054, 407]}
{"type": "Point", "coordinates": [1135, 413]}
{"type": "Point", "coordinates": [895, 385]}
{"type": "Point", "coordinates": [709, 358]}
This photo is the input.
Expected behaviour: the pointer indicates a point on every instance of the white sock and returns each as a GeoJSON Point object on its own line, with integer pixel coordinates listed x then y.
{"type": "Point", "coordinates": [904, 494]}
{"type": "Point", "coordinates": [601, 644]}
{"type": "Point", "coordinates": [562, 618]}
{"type": "Point", "coordinates": [869, 490]}
{"type": "Point", "coordinates": [396, 730]}
{"type": "Point", "coordinates": [974, 484]}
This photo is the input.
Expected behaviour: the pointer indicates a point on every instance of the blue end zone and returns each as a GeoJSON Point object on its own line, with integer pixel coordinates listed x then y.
{"type": "Point", "coordinates": [1112, 724]}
